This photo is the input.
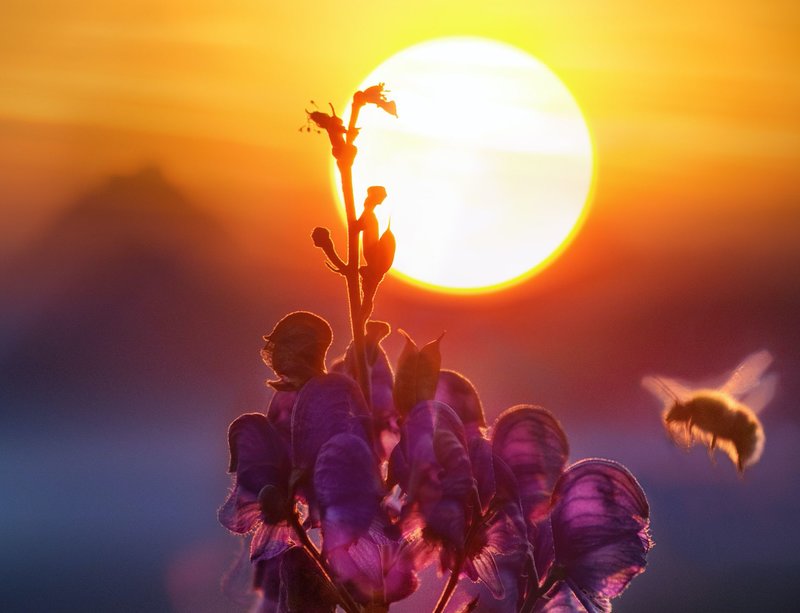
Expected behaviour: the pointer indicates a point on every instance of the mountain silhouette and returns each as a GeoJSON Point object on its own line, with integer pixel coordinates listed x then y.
{"type": "Point", "coordinates": [127, 293]}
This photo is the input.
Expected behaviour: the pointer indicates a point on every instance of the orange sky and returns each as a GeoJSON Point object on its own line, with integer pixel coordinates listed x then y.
{"type": "Point", "coordinates": [693, 106]}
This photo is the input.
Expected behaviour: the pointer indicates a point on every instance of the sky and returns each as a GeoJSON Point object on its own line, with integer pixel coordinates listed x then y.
{"type": "Point", "coordinates": [158, 199]}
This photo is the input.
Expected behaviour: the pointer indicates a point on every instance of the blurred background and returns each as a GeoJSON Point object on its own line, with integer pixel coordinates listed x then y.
{"type": "Point", "coordinates": [157, 203]}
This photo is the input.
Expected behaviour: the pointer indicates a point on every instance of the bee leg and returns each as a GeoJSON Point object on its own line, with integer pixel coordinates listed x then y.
{"type": "Point", "coordinates": [711, 447]}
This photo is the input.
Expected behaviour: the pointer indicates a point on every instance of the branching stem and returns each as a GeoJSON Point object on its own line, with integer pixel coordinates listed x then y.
{"type": "Point", "coordinates": [537, 591]}
{"type": "Point", "coordinates": [344, 162]}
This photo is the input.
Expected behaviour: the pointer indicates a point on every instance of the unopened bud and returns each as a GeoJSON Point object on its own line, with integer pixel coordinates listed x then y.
{"type": "Point", "coordinates": [272, 503]}
{"type": "Point", "coordinates": [322, 238]}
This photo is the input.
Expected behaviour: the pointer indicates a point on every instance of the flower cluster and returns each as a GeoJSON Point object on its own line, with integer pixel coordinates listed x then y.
{"type": "Point", "coordinates": [414, 477]}
{"type": "Point", "coordinates": [359, 475]}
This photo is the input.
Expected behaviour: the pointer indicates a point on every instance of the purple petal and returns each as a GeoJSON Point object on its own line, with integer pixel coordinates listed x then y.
{"type": "Point", "coordinates": [562, 600]}
{"type": "Point", "coordinates": [541, 535]}
{"type": "Point", "coordinates": [376, 568]}
{"type": "Point", "coordinates": [592, 603]}
{"type": "Point", "coordinates": [399, 471]}
{"type": "Point", "coordinates": [481, 457]}
{"type": "Point", "coordinates": [533, 444]}
{"type": "Point", "coordinates": [348, 489]}
{"type": "Point", "coordinates": [400, 578]}
{"type": "Point", "coordinates": [504, 563]}
{"type": "Point", "coordinates": [483, 567]}
{"type": "Point", "coordinates": [600, 522]}
{"type": "Point", "coordinates": [240, 512]}
{"type": "Point", "coordinates": [270, 541]}
{"type": "Point", "coordinates": [279, 413]}
{"type": "Point", "coordinates": [326, 406]}
{"type": "Point", "coordinates": [457, 392]}
{"type": "Point", "coordinates": [440, 482]}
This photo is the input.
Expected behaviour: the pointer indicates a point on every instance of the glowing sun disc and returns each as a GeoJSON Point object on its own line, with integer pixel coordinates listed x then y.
{"type": "Point", "coordinates": [488, 166]}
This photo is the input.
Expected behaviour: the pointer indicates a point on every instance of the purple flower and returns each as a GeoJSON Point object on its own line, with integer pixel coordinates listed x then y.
{"type": "Point", "coordinates": [600, 520]}
{"type": "Point", "coordinates": [533, 444]}
{"type": "Point", "coordinates": [457, 392]}
{"type": "Point", "coordinates": [327, 405]}
{"type": "Point", "coordinates": [431, 464]}
{"type": "Point", "coordinates": [364, 550]}
{"type": "Point", "coordinates": [259, 500]}
{"type": "Point", "coordinates": [499, 555]}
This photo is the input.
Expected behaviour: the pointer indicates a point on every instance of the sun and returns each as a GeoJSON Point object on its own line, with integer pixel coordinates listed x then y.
{"type": "Point", "coordinates": [488, 166]}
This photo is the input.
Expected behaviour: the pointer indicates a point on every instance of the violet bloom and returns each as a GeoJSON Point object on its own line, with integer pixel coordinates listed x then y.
{"type": "Point", "coordinates": [457, 392]}
{"type": "Point", "coordinates": [533, 444]}
{"type": "Point", "coordinates": [600, 519]}
{"type": "Point", "coordinates": [363, 549]}
{"type": "Point", "coordinates": [327, 405]}
{"type": "Point", "coordinates": [431, 464]}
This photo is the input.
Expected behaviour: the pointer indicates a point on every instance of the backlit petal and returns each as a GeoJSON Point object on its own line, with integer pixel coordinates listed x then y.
{"type": "Point", "coordinates": [533, 444]}
{"type": "Point", "coordinates": [457, 392]}
{"type": "Point", "coordinates": [600, 522]}
{"type": "Point", "coordinates": [348, 489]}
{"type": "Point", "coordinates": [326, 406]}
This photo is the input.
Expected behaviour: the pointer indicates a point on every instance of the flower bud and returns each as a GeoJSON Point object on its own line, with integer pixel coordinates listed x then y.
{"type": "Point", "coordinates": [296, 349]}
{"type": "Point", "coordinates": [322, 238]}
{"type": "Point", "coordinates": [272, 503]}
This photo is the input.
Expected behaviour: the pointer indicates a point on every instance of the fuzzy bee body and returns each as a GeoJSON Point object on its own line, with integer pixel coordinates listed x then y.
{"type": "Point", "coordinates": [722, 418]}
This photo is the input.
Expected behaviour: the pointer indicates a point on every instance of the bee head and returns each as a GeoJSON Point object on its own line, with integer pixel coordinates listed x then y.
{"type": "Point", "coordinates": [677, 412]}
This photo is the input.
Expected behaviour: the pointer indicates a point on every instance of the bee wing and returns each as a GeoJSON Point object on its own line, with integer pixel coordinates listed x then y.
{"type": "Point", "coordinates": [665, 389]}
{"type": "Point", "coordinates": [747, 375]}
{"type": "Point", "coordinates": [758, 398]}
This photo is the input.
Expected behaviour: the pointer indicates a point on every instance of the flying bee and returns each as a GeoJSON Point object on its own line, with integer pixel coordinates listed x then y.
{"type": "Point", "coordinates": [725, 417]}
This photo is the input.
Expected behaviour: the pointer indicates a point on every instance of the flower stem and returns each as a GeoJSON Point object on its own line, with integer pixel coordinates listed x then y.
{"type": "Point", "coordinates": [345, 600]}
{"type": "Point", "coordinates": [344, 162]}
{"type": "Point", "coordinates": [537, 591]}
{"type": "Point", "coordinates": [444, 598]}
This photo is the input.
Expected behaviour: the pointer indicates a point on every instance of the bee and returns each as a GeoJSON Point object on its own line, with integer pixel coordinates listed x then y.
{"type": "Point", "coordinates": [723, 417]}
